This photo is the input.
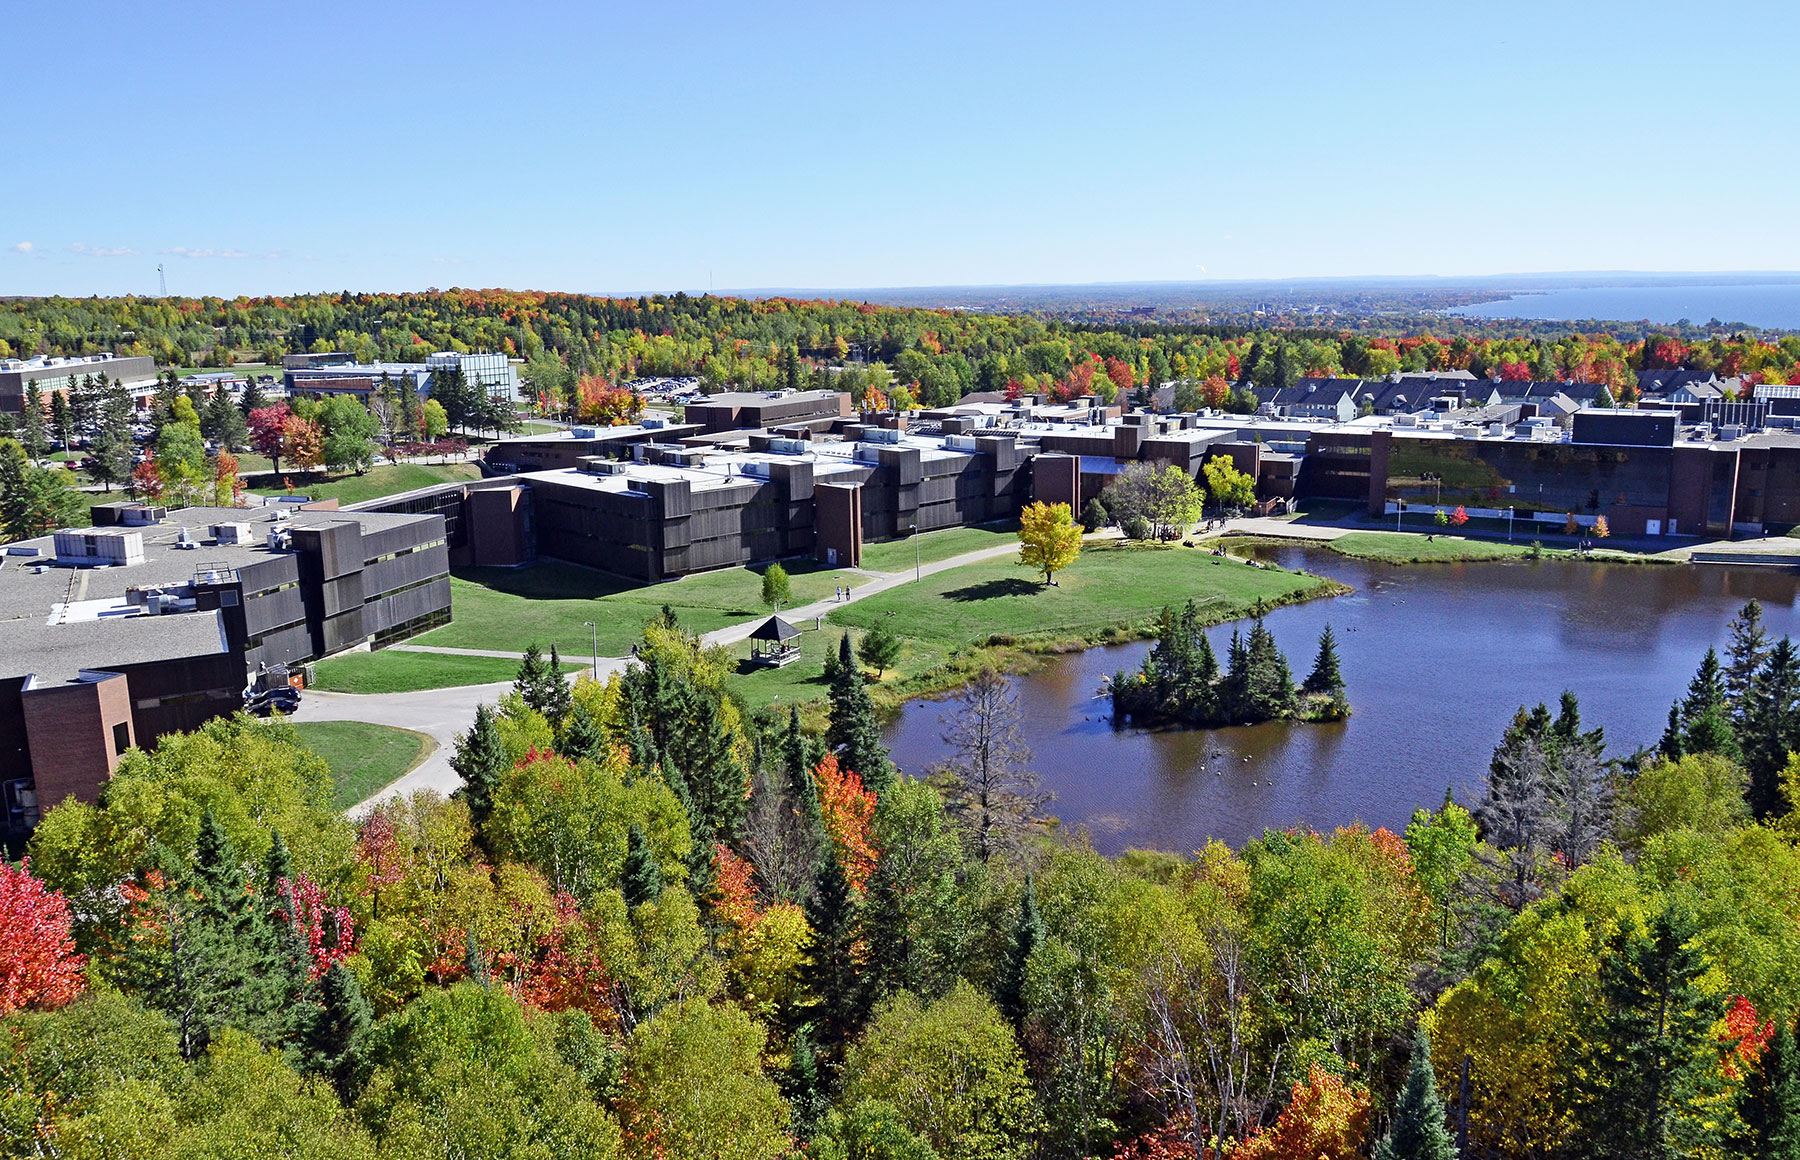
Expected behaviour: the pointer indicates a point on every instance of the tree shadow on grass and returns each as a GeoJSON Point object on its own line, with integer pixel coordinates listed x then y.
{"type": "Point", "coordinates": [990, 589]}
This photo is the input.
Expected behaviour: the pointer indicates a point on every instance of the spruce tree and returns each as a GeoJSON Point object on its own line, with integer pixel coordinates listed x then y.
{"type": "Point", "coordinates": [641, 880]}
{"type": "Point", "coordinates": [32, 437]}
{"type": "Point", "coordinates": [1747, 650]}
{"type": "Point", "coordinates": [1418, 1131]}
{"type": "Point", "coordinates": [797, 761]}
{"type": "Point", "coordinates": [831, 971]}
{"type": "Point", "coordinates": [715, 777]}
{"type": "Point", "coordinates": [532, 683]}
{"type": "Point", "coordinates": [217, 968]}
{"type": "Point", "coordinates": [557, 698]}
{"type": "Point", "coordinates": [1652, 1056]}
{"type": "Point", "coordinates": [1673, 744]}
{"type": "Point", "coordinates": [335, 1027]}
{"type": "Point", "coordinates": [1771, 727]}
{"type": "Point", "coordinates": [1326, 677]}
{"type": "Point", "coordinates": [480, 760]}
{"type": "Point", "coordinates": [854, 733]}
{"type": "Point", "coordinates": [251, 399]}
{"type": "Point", "coordinates": [582, 736]}
{"type": "Point", "coordinates": [1769, 1104]}
{"type": "Point", "coordinates": [1028, 934]}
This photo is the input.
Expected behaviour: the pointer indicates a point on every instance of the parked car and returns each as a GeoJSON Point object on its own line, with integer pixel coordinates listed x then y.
{"type": "Point", "coordinates": [283, 698]}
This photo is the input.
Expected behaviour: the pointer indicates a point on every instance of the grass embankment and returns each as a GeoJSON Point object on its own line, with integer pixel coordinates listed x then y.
{"type": "Point", "coordinates": [388, 671]}
{"type": "Point", "coordinates": [1414, 548]}
{"type": "Point", "coordinates": [999, 613]}
{"type": "Point", "coordinates": [363, 757]}
{"type": "Point", "coordinates": [504, 608]}
{"type": "Point", "coordinates": [899, 555]}
{"type": "Point", "coordinates": [388, 479]}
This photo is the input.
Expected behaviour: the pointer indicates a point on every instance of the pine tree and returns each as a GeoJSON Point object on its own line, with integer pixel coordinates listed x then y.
{"type": "Point", "coordinates": [641, 880]}
{"type": "Point", "coordinates": [112, 450]}
{"type": "Point", "coordinates": [1028, 934]}
{"type": "Point", "coordinates": [1652, 1056]}
{"type": "Point", "coordinates": [480, 760]}
{"type": "Point", "coordinates": [1705, 715]}
{"type": "Point", "coordinates": [557, 698]}
{"type": "Point", "coordinates": [582, 736]}
{"type": "Point", "coordinates": [1418, 1131]}
{"type": "Point", "coordinates": [1769, 1103]}
{"type": "Point", "coordinates": [335, 1027]}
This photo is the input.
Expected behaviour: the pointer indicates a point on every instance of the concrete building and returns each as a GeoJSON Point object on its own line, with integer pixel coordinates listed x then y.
{"type": "Point", "coordinates": [569, 448]}
{"type": "Point", "coordinates": [153, 622]}
{"type": "Point", "coordinates": [17, 376]}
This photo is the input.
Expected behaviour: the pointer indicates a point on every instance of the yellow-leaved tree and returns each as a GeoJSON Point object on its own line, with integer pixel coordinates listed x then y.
{"type": "Point", "coordinates": [1049, 539]}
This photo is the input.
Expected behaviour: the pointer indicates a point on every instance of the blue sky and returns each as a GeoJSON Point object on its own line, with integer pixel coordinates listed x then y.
{"type": "Point", "coordinates": [262, 148]}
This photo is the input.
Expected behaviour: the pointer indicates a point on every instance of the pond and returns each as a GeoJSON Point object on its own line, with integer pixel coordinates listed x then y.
{"type": "Point", "coordinates": [1437, 657]}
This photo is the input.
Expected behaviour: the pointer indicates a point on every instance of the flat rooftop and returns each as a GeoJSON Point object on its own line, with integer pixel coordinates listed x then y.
{"type": "Point", "coordinates": [58, 617]}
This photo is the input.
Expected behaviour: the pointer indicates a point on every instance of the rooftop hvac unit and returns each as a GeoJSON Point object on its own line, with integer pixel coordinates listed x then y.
{"type": "Point", "coordinates": [232, 533]}
{"type": "Point", "coordinates": [584, 432]}
{"type": "Point", "coordinates": [185, 542]}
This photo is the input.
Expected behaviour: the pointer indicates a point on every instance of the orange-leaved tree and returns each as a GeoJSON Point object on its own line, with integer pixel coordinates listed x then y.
{"type": "Point", "coordinates": [849, 811]}
{"type": "Point", "coordinates": [1326, 1119]}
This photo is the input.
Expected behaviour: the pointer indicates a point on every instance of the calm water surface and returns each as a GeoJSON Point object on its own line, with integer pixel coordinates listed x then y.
{"type": "Point", "coordinates": [1437, 658]}
{"type": "Point", "coordinates": [1772, 304]}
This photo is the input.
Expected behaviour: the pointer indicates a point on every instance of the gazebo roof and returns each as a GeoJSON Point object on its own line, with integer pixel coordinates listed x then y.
{"type": "Point", "coordinates": [775, 629]}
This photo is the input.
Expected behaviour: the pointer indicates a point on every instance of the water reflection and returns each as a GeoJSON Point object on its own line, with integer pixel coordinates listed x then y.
{"type": "Point", "coordinates": [1437, 658]}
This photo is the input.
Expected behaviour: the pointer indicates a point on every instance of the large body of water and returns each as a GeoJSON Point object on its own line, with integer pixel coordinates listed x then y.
{"type": "Point", "coordinates": [1774, 305]}
{"type": "Point", "coordinates": [1437, 658]}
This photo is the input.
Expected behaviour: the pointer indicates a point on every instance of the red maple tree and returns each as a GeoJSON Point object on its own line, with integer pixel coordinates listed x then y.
{"type": "Point", "coordinates": [38, 964]}
{"type": "Point", "coordinates": [849, 811]}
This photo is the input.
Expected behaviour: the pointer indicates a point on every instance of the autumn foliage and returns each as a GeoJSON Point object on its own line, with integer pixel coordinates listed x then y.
{"type": "Point", "coordinates": [849, 814]}
{"type": "Point", "coordinates": [38, 964]}
{"type": "Point", "coordinates": [598, 401]}
{"type": "Point", "coordinates": [1326, 1119]}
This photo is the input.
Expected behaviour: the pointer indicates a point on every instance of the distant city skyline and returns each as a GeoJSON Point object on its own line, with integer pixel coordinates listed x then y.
{"type": "Point", "coordinates": [695, 146]}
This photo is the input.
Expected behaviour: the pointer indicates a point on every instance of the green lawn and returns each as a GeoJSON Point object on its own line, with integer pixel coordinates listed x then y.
{"type": "Point", "coordinates": [388, 671]}
{"type": "Point", "coordinates": [363, 757]}
{"type": "Point", "coordinates": [996, 611]}
{"type": "Point", "coordinates": [388, 479]}
{"type": "Point", "coordinates": [1110, 591]}
{"type": "Point", "coordinates": [1414, 548]}
{"type": "Point", "coordinates": [897, 555]}
{"type": "Point", "coordinates": [505, 608]}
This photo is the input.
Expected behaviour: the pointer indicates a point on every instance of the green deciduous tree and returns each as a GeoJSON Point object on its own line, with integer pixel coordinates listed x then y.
{"type": "Point", "coordinates": [696, 1088]}
{"type": "Point", "coordinates": [952, 1070]}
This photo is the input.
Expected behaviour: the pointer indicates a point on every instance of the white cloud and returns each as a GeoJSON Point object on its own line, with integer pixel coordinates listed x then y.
{"type": "Point", "coordinates": [102, 251]}
{"type": "Point", "coordinates": [23, 247]}
{"type": "Point", "coordinates": [227, 254]}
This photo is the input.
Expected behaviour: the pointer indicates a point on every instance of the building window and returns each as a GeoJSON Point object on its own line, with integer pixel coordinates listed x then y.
{"type": "Point", "coordinates": [121, 738]}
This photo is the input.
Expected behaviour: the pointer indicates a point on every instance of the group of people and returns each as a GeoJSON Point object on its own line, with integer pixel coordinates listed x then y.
{"type": "Point", "coordinates": [842, 593]}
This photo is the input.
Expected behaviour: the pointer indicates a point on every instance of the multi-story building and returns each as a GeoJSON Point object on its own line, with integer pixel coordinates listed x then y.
{"type": "Point", "coordinates": [17, 376]}
{"type": "Point", "coordinates": [153, 622]}
{"type": "Point", "coordinates": [338, 374]}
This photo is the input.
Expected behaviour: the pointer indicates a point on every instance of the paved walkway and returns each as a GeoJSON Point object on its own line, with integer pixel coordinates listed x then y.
{"type": "Point", "coordinates": [442, 714]}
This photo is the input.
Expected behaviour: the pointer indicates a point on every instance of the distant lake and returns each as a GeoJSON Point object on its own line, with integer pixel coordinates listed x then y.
{"type": "Point", "coordinates": [1771, 305]}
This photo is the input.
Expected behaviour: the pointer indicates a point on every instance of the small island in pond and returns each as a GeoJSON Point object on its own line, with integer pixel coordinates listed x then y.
{"type": "Point", "coordinates": [1180, 681]}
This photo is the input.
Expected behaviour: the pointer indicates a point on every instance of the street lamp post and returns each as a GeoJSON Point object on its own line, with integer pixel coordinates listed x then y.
{"type": "Point", "coordinates": [918, 566]}
{"type": "Point", "coordinates": [596, 628]}
{"type": "Point", "coordinates": [1509, 520]}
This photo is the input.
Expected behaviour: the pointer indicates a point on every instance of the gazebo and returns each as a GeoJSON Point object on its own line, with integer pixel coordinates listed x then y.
{"type": "Point", "coordinates": [775, 642]}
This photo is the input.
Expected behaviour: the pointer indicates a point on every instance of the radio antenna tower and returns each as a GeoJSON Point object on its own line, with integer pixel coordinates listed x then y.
{"type": "Point", "coordinates": [162, 283]}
